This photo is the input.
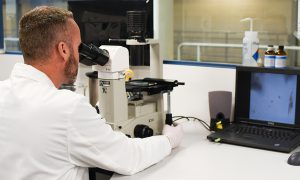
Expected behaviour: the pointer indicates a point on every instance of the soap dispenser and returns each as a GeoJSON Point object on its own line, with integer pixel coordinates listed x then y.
{"type": "Point", "coordinates": [250, 46]}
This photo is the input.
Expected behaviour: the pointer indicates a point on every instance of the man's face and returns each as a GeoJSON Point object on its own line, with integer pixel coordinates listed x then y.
{"type": "Point", "coordinates": [71, 68]}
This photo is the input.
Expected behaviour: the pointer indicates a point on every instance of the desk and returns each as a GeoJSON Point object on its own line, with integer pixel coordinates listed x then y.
{"type": "Point", "coordinates": [198, 158]}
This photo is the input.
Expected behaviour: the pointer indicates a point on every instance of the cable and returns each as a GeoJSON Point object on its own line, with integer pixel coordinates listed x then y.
{"type": "Point", "coordinates": [203, 123]}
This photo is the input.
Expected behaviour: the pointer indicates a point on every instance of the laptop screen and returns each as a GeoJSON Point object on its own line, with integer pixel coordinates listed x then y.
{"type": "Point", "coordinates": [268, 96]}
{"type": "Point", "coordinates": [273, 97]}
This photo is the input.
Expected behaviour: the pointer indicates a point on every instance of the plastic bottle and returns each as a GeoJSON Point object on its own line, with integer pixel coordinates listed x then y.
{"type": "Point", "coordinates": [270, 57]}
{"type": "Point", "coordinates": [280, 57]}
{"type": "Point", "coordinates": [250, 46]}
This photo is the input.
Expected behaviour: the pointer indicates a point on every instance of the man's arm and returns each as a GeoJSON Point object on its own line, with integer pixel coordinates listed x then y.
{"type": "Point", "coordinates": [93, 143]}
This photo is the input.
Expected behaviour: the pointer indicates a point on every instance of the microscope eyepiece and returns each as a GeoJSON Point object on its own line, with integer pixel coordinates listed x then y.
{"type": "Point", "coordinates": [92, 55]}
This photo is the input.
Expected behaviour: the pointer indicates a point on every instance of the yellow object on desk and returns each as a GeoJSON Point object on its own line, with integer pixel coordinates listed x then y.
{"type": "Point", "coordinates": [129, 74]}
{"type": "Point", "coordinates": [219, 125]}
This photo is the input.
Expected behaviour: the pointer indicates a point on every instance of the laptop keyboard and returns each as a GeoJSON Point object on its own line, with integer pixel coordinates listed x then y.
{"type": "Point", "coordinates": [281, 135]}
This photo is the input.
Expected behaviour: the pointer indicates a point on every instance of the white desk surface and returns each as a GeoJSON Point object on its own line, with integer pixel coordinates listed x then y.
{"type": "Point", "coordinates": [198, 158]}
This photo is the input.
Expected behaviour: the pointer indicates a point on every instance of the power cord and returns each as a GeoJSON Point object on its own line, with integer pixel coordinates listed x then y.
{"type": "Point", "coordinates": [203, 123]}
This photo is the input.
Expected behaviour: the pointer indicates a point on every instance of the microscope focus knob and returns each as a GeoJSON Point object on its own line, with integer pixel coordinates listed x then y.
{"type": "Point", "coordinates": [142, 131]}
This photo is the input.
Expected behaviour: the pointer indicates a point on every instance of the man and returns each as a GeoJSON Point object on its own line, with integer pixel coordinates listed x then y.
{"type": "Point", "coordinates": [46, 133]}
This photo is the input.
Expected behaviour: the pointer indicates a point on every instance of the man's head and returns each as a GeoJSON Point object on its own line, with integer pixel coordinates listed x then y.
{"type": "Point", "coordinates": [49, 39]}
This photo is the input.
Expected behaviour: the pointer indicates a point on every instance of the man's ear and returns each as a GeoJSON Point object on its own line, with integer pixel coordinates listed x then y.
{"type": "Point", "coordinates": [63, 50]}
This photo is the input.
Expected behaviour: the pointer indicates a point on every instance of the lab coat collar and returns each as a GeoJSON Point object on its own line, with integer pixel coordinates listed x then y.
{"type": "Point", "coordinates": [27, 71]}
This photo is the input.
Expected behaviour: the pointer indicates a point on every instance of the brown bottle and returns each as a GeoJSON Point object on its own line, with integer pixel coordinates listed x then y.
{"type": "Point", "coordinates": [280, 57]}
{"type": "Point", "coordinates": [269, 60]}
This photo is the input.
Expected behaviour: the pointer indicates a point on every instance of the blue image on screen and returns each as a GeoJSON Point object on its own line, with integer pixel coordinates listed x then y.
{"type": "Point", "coordinates": [273, 97]}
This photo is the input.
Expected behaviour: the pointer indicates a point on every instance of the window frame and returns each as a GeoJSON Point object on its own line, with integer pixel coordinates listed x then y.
{"type": "Point", "coordinates": [1, 28]}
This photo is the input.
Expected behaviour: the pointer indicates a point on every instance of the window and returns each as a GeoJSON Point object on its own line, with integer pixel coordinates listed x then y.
{"type": "Point", "coordinates": [212, 22]}
{"type": "Point", "coordinates": [13, 11]}
{"type": "Point", "coordinates": [199, 26]}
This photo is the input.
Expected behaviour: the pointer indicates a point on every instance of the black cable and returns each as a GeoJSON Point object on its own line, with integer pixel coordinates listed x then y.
{"type": "Point", "coordinates": [180, 118]}
{"type": "Point", "coordinates": [203, 123]}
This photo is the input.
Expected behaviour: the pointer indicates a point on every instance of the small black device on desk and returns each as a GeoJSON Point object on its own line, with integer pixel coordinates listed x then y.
{"type": "Point", "coordinates": [294, 159]}
{"type": "Point", "coordinates": [267, 113]}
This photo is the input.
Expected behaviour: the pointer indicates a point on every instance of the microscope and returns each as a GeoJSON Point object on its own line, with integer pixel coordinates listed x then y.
{"type": "Point", "coordinates": [132, 104]}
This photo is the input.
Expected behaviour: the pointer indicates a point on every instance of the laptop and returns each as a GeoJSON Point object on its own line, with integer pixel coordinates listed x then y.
{"type": "Point", "coordinates": [267, 110]}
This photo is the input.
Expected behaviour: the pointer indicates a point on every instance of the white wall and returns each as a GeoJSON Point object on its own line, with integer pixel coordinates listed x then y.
{"type": "Point", "coordinates": [163, 26]}
{"type": "Point", "coordinates": [192, 98]}
{"type": "Point", "coordinates": [7, 62]}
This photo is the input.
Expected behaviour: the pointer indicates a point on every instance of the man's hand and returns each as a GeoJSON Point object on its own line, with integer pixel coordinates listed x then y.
{"type": "Point", "coordinates": [174, 134]}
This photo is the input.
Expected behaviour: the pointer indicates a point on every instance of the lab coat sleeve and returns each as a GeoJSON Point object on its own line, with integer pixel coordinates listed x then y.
{"type": "Point", "coordinates": [93, 143]}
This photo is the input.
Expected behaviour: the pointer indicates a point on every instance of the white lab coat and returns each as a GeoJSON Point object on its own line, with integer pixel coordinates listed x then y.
{"type": "Point", "coordinates": [47, 133]}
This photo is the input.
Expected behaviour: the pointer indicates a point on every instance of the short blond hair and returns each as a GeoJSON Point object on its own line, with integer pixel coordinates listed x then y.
{"type": "Point", "coordinates": [40, 29]}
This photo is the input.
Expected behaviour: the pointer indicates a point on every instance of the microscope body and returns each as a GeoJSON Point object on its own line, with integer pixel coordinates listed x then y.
{"type": "Point", "coordinates": [136, 117]}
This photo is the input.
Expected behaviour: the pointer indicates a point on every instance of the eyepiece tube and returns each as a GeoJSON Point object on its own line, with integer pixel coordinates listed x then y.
{"type": "Point", "coordinates": [92, 55]}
